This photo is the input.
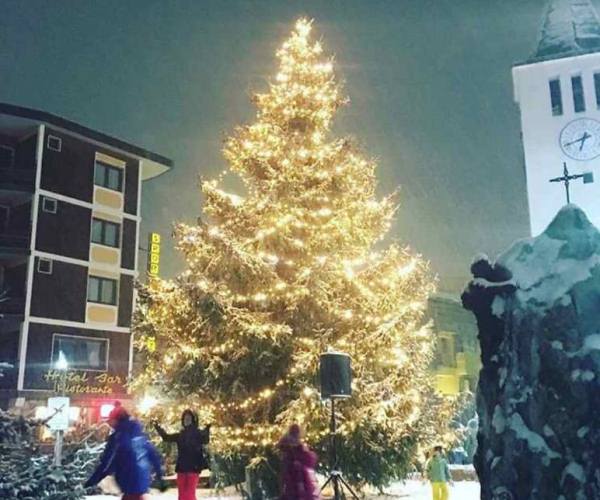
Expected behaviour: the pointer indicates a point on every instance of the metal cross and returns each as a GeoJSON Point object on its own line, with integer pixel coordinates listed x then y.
{"type": "Point", "coordinates": [588, 178]}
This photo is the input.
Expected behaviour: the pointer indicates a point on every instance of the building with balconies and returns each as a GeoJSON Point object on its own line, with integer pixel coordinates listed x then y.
{"type": "Point", "coordinates": [70, 218]}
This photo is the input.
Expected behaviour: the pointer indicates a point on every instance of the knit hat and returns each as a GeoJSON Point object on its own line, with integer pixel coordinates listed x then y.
{"type": "Point", "coordinates": [293, 434]}
{"type": "Point", "coordinates": [118, 412]}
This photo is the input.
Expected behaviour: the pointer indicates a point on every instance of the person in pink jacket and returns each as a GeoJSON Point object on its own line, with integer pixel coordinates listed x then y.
{"type": "Point", "coordinates": [298, 462]}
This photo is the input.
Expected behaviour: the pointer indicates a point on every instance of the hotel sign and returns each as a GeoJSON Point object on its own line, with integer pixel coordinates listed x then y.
{"type": "Point", "coordinates": [83, 383]}
{"type": "Point", "coordinates": [153, 254]}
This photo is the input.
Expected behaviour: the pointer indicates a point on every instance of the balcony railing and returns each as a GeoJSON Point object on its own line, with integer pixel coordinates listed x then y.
{"type": "Point", "coordinates": [17, 178]}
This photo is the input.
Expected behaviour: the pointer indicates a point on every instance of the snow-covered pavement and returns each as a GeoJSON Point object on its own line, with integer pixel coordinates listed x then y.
{"type": "Point", "coordinates": [414, 490]}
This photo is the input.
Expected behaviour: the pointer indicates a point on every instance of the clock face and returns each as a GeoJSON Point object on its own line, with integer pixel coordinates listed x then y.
{"type": "Point", "coordinates": [580, 139]}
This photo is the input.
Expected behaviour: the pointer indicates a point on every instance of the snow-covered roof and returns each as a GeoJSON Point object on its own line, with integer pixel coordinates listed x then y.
{"type": "Point", "coordinates": [546, 268]}
{"type": "Point", "coordinates": [571, 27]}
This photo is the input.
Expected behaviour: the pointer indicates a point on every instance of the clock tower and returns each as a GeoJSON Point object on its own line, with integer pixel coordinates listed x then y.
{"type": "Point", "coordinates": [558, 93]}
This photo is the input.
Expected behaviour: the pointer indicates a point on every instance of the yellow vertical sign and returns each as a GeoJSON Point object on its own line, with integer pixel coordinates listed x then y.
{"type": "Point", "coordinates": [153, 254]}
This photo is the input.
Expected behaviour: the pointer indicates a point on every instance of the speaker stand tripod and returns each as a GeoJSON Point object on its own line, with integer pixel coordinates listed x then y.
{"type": "Point", "coordinates": [335, 476]}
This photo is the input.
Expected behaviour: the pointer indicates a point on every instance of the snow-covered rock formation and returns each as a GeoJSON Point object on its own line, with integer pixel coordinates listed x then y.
{"type": "Point", "coordinates": [538, 314]}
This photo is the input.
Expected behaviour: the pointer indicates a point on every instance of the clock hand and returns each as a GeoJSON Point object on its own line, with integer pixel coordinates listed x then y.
{"type": "Point", "coordinates": [575, 141]}
{"type": "Point", "coordinates": [570, 143]}
{"type": "Point", "coordinates": [583, 139]}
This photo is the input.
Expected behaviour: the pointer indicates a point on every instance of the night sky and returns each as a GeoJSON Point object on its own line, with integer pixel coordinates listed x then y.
{"type": "Point", "coordinates": [429, 82]}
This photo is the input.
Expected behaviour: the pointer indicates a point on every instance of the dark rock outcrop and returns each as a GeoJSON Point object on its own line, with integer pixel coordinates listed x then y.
{"type": "Point", "coordinates": [538, 315]}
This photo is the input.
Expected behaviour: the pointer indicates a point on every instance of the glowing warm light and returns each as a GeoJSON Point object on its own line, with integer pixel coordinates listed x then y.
{"type": "Point", "coordinates": [274, 276]}
{"type": "Point", "coordinates": [407, 269]}
{"type": "Point", "coordinates": [61, 363]}
{"type": "Point", "coordinates": [41, 412]}
{"type": "Point", "coordinates": [105, 410]}
{"type": "Point", "coordinates": [74, 412]}
{"type": "Point", "coordinates": [303, 27]}
{"type": "Point", "coordinates": [147, 403]}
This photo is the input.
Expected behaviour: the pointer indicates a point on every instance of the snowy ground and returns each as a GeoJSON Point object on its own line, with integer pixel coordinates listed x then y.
{"type": "Point", "coordinates": [415, 490]}
{"type": "Point", "coordinates": [462, 490]}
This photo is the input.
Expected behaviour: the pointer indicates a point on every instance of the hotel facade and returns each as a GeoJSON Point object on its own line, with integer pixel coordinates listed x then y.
{"type": "Point", "coordinates": [70, 201]}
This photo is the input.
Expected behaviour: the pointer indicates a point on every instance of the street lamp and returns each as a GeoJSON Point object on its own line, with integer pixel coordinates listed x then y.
{"type": "Point", "coordinates": [62, 365]}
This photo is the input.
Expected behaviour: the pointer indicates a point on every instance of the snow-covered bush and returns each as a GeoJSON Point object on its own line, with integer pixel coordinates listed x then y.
{"type": "Point", "coordinates": [27, 472]}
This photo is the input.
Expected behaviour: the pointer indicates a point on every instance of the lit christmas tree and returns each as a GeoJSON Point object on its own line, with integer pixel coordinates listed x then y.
{"type": "Point", "coordinates": [286, 272]}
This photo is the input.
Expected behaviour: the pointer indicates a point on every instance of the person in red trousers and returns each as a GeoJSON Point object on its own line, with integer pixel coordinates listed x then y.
{"type": "Point", "coordinates": [191, 456]}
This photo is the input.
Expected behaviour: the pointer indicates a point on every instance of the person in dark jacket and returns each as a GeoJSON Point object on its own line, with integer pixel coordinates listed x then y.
{"type": "Point", "coordinates": [191, 457]}
{"type": "Point", "coordinates": [129, 456]}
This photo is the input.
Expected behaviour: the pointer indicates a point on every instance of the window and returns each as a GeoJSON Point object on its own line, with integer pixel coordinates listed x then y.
{"type": "Point", "coordinates": [82, 353]}
{"type": "Point", "coordinates": [54, 143]}
{"type": "Point", "coordinates": [597, 88]}
{"type": "Point", "coordinates": [556, 97]}
{"type": "Point", "coordinates": [49, 205]}
{"type": "Point", "coordinates": [7, 155]}
{"type": "Point", "coordinates": [578, 98]}
{"type": "Point", "coordinates": [108, 177]}
{"type": "Point", "coordinates": [105, 233]}
{"type": "Point", "coordinates": [102, 290]}
{"type": "Point", "coordinates": [44, 266]}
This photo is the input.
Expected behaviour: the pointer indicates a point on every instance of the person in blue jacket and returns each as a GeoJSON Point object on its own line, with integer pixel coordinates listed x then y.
{"type": "Point", "coordinates": [129, 456]}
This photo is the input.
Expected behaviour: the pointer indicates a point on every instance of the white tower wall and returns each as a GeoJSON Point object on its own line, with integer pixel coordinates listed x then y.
{"type": "Point", "coordinates": [541, 130]}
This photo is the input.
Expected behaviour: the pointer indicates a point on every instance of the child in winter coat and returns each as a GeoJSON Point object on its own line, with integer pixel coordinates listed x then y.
{"type": "Point", "coordinates": [298, 462]}
{"type": "Point", "coordinates": [129, 456]}
{"type": "Point", "coordinates": [191, 458]}
{"type": "Point", "coordinates": [439, 475]}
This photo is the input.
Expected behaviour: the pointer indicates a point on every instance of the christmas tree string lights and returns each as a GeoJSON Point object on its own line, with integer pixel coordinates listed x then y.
{"type": "Point", "coordinates": [290, 268]}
